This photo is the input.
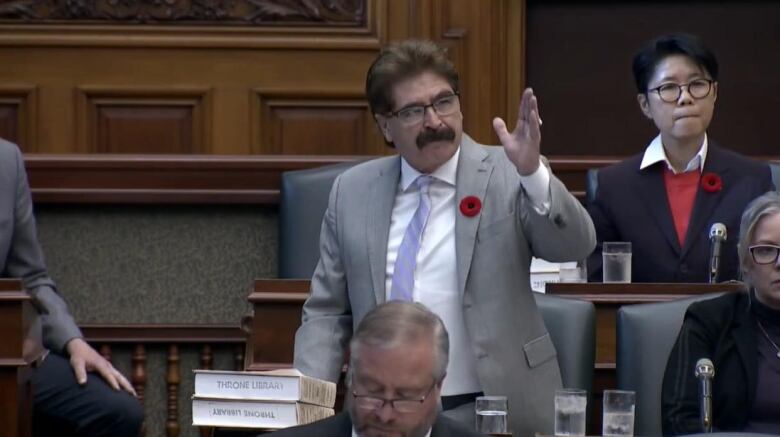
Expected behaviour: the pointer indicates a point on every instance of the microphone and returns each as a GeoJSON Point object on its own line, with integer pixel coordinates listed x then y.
{"type": "Point", "coordinates": [705, 370]}
{"type": "Point", "coordinates": [717, 238]}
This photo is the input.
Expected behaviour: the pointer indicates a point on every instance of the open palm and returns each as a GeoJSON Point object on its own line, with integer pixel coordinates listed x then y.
{"type": "Point", "coordinates": [522, 144]}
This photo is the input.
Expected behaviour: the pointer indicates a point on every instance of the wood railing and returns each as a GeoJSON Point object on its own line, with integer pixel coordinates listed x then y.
{"type": "Point", "coordinates": [139, 337]}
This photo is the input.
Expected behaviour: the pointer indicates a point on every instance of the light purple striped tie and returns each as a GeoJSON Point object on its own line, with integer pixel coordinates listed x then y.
{"type": "Point", "coordinates": [402, 286]}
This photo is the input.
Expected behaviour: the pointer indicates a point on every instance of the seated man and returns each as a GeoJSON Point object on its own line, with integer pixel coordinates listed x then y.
{"type": "Point", "coordinates": [398, 361]}
{"type": "Point", "coordinates": [666, 199]}
{"type": "Point", "coordinates": [67, 400]}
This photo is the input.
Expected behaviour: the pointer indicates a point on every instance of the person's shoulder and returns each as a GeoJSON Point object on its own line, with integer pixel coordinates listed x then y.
{"type": "Point", "coordinates": [444, 426]}
{"type": "Point", "coordinates": [8, 149]}
{"type": "Point", "coordinates": [719, 309]}
{"type": "Point", "coordinates": [746, 164]}
{"type": "Point", "coordinates": [369, 168]}
{"type": "Point", "coordinates": [621, 168]}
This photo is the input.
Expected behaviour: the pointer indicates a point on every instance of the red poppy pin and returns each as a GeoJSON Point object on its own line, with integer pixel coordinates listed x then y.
{"type": "Point", "coordinates": [711, 182]}
{"type": "Point", "coordinates": [470, 206]}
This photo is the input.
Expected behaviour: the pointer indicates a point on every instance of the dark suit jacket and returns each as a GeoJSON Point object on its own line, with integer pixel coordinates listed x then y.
{"type": "Point", "coordinates": [631, 205]}
{"type": "Point", "coordinates": [722, 329]}
{"type": "Point", "coordinates": [341, 425]}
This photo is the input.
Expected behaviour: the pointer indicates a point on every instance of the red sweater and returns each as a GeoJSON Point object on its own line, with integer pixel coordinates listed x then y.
{"type": "Point", "coordinates": [681, 191]}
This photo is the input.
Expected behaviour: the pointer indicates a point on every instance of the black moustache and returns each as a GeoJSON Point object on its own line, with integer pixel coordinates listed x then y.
{"type": "Point", "coordinates": [428, 136]}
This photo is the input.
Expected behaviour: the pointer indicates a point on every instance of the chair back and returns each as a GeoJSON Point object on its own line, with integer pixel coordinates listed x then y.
{"type": "Point", "coordinates": [646, 334]}
{"type": "Point", "coordinates": [572, 327]}
{"type": "Point", "coordinates": [304, 199]}
{"type": "Point", "coordinates": [591, 185]}
{"type": "Point", "coordinates": [775, 167]}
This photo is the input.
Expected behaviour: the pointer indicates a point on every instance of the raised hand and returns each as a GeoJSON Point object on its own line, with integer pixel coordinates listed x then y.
{"type": "Point", "coordinates": [522, 144]}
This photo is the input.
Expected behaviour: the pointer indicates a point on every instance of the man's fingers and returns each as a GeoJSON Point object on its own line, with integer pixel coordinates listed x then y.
{"type": "Point", "coordinates": [108, 373]}
{"type": "Point", "coordinates": [500, 127]}
{"type": "Point", "coordinates": [124, 383]}
{"type": "Point", "coordinates": [80, 370]}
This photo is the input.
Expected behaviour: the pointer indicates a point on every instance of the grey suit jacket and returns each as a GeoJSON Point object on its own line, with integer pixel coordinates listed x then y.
{"type": "Point", "coordinates": [340, 425]}
{"type": "Point", "coordinates": [20, 253]}
{"type": "Point", "coordinates": [513, 352]}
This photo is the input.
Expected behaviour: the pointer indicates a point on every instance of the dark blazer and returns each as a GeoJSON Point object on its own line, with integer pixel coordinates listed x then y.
{"type": "Point", "coordinates": [724, 330]}
{"type": "Point", "coordinates": [631, 205]}
{"type": "Point", "coordinates": [341, 425]}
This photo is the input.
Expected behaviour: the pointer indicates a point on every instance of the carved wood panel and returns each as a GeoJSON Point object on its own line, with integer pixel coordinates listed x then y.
{"type": "Point", "coordinates": [223, 12]}
{"type": "Point", "coordinates": [17, 115]}
{"type": "Point", "coordinates": [289, 123]}
{"type": "Point", "coordinates": [144, 120]}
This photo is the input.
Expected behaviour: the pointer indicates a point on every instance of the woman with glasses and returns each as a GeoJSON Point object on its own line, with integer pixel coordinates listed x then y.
{"type": "Point", "coordinates": [740, 334]}
{"type": "Point", "coordinates": [666, 199]}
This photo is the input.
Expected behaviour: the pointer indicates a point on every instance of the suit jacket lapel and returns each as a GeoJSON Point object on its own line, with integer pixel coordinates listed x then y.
{"type": "Point", "coordinates": [383, 189]}
{"type": "Point", "coordinates": [474, 170]}
{"type": "Point", "coordinates": [706, 202]}
{"type": "Point", "coordinates": [652, 189]}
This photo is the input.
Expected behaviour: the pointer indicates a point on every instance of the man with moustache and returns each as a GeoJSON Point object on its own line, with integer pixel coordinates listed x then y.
{"type": "Point", "coordinates": [398, 361]}
{"type": "Point", "coordinates": [451, 224]}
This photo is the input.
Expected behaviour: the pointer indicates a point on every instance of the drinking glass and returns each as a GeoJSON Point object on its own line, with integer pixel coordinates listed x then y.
{"type": "Point", "coordinates": [570, 407]}
{"type": "Point", "coordinates": [491, 415]}
{"type": "Point", "coordinates": [616, 261]}
{"type": "Point", "coordinates": [618, 419]}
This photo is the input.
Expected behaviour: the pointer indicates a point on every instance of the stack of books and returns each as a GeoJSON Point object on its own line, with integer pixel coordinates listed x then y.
{"type": "Point", "coordinates": [272, 400]}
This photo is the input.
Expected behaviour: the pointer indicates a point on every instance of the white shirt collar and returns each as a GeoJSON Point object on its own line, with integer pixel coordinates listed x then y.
{"type": "Point", "coordinates": [655, 153]}
{"type": "Point", "coordinates": [446, 172]}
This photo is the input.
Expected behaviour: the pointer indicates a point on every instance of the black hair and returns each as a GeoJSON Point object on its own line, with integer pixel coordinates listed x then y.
{"type": "Point", "coordinates": [648, 58]}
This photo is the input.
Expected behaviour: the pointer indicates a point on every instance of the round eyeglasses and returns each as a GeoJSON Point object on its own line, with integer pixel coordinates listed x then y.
{"type": "Point", "coordinates": [671, 92]}
{"type": "Point", "coordinates": [415, 114]}
{"type": "Point", "coordinates": [764, 253]}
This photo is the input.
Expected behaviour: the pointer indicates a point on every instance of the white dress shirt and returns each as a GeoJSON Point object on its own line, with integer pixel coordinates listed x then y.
{"type": "Point", "coordinates": [436, 276]}
{"type": "Point", "coordinates": [655, 152]}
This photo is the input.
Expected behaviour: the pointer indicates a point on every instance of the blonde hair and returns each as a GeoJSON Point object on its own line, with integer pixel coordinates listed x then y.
{"type": "Point", "coordinates": [765, 205]}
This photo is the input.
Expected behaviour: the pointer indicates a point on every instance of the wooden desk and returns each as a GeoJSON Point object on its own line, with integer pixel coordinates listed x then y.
{"type": "Point", "coordinates": [20, 347]}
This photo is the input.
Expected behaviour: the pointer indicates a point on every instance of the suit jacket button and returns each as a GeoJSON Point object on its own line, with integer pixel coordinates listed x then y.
{"type": "Point", "coordinates": [558, 220]}
{"type": "Point", "coordinates": [683, 268]}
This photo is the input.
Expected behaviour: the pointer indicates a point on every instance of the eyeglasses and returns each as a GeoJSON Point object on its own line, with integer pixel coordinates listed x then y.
{"type": "Point", "coordinates": [368, 402]}
{"type": "Point", "coordinates": [764, 253]}
{"type": "Point", "coordinates": [671, 92]}
{"type": "Point", "coordinates": [412, 115]}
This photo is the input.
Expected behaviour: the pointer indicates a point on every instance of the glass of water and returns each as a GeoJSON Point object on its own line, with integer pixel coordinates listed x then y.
{"type": "Point", "coordinates": [616, 261]}
{"type": "Point", "coordinates": [570, 407]}
{"type": "Point", "coordinates": [618, 419]}
{"type": "Point", "coordinates": [491, 415]}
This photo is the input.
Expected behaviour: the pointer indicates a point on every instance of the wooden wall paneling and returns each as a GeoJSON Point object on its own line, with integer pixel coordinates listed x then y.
{"type": "Point", "coordinates": [145, 120]}
{"type": "Point", "coordinates": [290, 122]}
{"type": "Point", "coordinates": [484, 40]}
{"type": "Point", "coordinates": [18, 115]}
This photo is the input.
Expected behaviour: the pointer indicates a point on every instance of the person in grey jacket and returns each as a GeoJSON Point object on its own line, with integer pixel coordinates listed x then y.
{"type": "Point", "coordinates": [75, 390]}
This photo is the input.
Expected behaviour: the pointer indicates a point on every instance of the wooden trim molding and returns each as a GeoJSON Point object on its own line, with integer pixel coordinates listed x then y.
{"type": "Point", "coordinates": [206, 179]}
{"type": "Point", "coordinates": [105, 333]}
